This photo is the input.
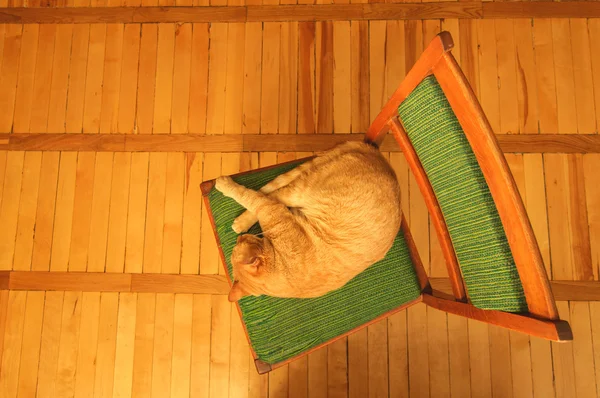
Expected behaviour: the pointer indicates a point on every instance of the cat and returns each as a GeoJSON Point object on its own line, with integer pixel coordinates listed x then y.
{"type": "Point", "coordinates": [323, 223]}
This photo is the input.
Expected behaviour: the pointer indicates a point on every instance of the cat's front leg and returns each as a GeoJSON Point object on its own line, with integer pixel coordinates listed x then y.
{"type": "Point", "coordinates": [226, 186]}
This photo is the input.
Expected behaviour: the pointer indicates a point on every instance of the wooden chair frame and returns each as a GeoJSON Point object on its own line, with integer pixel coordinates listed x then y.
{"type": "Point", "coordinates": [542, 320]}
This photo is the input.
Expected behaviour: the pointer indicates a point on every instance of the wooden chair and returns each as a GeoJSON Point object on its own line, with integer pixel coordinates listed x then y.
{"type": "Point", "coordinates": [493, 260]}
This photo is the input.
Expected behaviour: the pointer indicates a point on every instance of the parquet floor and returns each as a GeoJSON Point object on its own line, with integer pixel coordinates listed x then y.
{"type": "Point", "coordinates": [140, 212]}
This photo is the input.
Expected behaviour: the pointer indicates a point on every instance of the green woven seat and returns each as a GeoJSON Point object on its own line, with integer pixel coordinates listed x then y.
{"type": "Point", "coordinates": [477, 234]}
{"type": "Point", "coordinates": [280, 329]}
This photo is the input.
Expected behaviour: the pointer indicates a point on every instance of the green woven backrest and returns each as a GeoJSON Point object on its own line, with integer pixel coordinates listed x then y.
{"type": "Point", "coordinates": [280, 329]}
{"type": "Point", "coordinates": [477, 234]}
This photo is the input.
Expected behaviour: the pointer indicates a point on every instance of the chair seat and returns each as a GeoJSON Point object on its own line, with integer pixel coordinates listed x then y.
{"type": "Point", "coordinates": [280, 329]}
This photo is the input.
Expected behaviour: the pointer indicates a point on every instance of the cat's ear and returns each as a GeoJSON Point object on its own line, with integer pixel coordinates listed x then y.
{"type": "Point", "coordinates": [236, 292]}
{"type": "Point", "coordinates": [253, 265]}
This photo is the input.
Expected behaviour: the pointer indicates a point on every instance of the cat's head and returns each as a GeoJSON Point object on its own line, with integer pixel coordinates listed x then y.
{"type": "Point", "coordinates": [249, 260]}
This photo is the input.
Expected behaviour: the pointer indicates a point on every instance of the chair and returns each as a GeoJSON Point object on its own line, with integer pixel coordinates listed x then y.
{"type": "Point", "coordinates": [493, 260]}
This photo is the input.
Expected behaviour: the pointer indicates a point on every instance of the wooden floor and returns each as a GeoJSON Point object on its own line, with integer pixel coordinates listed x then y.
{"type": "Point", "coordinates": [111, 210]}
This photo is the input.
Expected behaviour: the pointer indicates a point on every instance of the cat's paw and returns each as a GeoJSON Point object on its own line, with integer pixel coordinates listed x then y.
{"type": "Point", "coordinates": [244, 222]}
{"type": "Point", "coordinates": [224, 185]}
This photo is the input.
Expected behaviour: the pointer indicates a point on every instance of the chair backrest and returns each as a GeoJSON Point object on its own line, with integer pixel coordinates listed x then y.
{"type": "Point", "coordinates": [475, 207]}
{"type": "Point", "coordinates": [475, 228]}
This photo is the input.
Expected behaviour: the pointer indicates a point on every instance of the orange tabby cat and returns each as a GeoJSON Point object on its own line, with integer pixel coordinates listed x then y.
{"type": "Point", "coordinates": [324, 222]}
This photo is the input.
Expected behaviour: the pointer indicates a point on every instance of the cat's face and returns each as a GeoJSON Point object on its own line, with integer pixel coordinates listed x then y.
{"type": "Point", "coordinates": [248, 260]}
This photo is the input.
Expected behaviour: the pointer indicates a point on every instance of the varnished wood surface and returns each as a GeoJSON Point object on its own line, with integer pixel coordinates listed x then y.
{"type": "Point", "coordinates": [521, 143]}
{"type": "Point", "coordinates": [302, 12]}
{"type": "Point", "coordinates": [106, 210]}
{"type": "Point", "coordinates": [207, 284]}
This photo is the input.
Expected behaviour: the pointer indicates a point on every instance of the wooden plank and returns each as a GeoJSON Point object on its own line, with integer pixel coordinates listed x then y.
{"type": "Point", "coordinates": [163, 345]}
{"type": "Point", "coordinates": [337, 368]}
{"type": "Point", "coordinates": [60, 78]}
{"type": "Point", "coordinates": [324, 77]}
{"type": "Point", "coordinates": [155, 212]}
{"type": "Point", "coordinates": [317, 373]}
{"type": "Point", "coordinates": [68, 346]}
{"type": "Point", "coordinates": [215, 116]}
{"type": "Point", "coordinates": [583, 352]}
{"type": "Point", "coordinates": [520, 355]}
{"type": "Point", "coordinates": [8, 74]}
{"type": "Point", "coordinates": [82, 211]}
{"type": "Point", "coordinates": [541, 368]}
{"type": "Point", "coordinates": [565, 84]}
{"type": "Point", "coordinates": [439, 362]}
{"type": "Point", "coordinates": [269, 104]}
{"type": "Point", "coordinates": [298, 379]}
{"type": "Point", "coordinates": [163, 89]}
{"type": "Point", "coordinates": [377, 337]}
{"type": "Point", "coordinates": [252, 78]}
{"type": "Point", "coordinates": [192, 214]}
{"type": "Point", "coordinates": [398, 355]}
{"type": "Point", "coordinates": [306, 78]}
{"type": "Point", "coordinates": [562, 358]}
{"type": "Point", "coordinates": [172, 229]}
{"type": "Point", "coordinates": [146, 78]}
{"type": "Point", "coordinates": [469, 58]}
{"type": "Point", "coordinates": [9, 209]}
{"type": "Point", "coordinates": [126, 321]}
{"type": "Point", "coordinates": [395, 60]}
{"type": "Point", "coordinates": [43, 78]}
{"type": "Point", "coordinates": [502, 383]}
{"type": "Point", "coordinates": [143, 345]}
{"type": "Point", "coordinates": [207, 284]}
{"type": "Point", "coordinates": [27, 210]}
{"type": "Point", "coordinates": [136, 213]}
{"type": "Point", "coordinates": [77, 78]}
{"type": "Point", "coordinates": [278, 382]}
{"type": "Point", "coordinates": [182, 345]}
{"type": "Point", "coordinates": [342, 82]}
{"type": "Point", "coordinates": [535, 203]}
{"type": "Point", "coordinates": [201, 336]}
{"type": "Point", "coordinates": [488, 73]}
{"type": "Point", "coordinates": [479, 357]}
{"type": "Point", "coordinates": [117, 218]}
{"type": "Point", "coordinates": [46, 380]}
{"type": "Point", "coordinates": [94, 78]}
{"type": "Point", "coordinates": [88, 345]}
{"type": "Point", "coordinates": [582, 73]}
{"type": "Point", "coordinates": [377, 59]}
{"type": "Point", "coordinates": [590, 164]}
{"type": "Point", "coordinates": [534, 10]}
{"type": "Point", "coordinates": [129, 78]}
{"type": "Point", "coordinates": [594, 31]}
{"type": "Point", "coordinates": [88, 281]}
{"type": "Point", "coordinates": [209, 256]}
{"type": "Point", "coordinates": [198, 79]}
{"type": "Point", "coordinates": [100, 213]}
{"type": "Point", "coordinates": [359, 72]}
{"type": "Point", "coordinates": [595, 321]}
{"type": "Point", "coordinates": [418, 363]}
{"type": "Point", "coordinates": [239, 371]}
{"type": "Point", "coordinates": [458, 353]}
{"type": "Point", "coordinates": [546, 82]}
{"type": "Point", "coordinates": [107, 338]}
{"type": "Point", "coordinates": [44, 216]}
{"type": "Point", "coordinates": [525, 143]}
{"type": "Point", "coordinates": [113, 59]}
{"type": "Point", "coordinates": [181, 78]}
{"type": "Point", "coordinates": [526, 77]}
{"type": "Point", "coordinates": [219, 346]}
{"type": "Point", "coordinates": [13, 339]}
{"type": "Point", "coordinates": [288, 82]}
{"type": "Point", "coordinates": [234, 84]}
{"type": "Point", "coordinates": [507, 76]}
{"type": "Point", "coordinates": [25, 79]}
